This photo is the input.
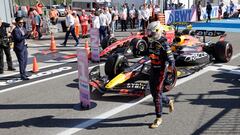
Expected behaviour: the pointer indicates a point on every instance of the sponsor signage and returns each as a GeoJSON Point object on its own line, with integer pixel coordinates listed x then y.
{"type": "Point", "coordinates": [83, 78]}
{"type": "Point", "coordinates": [95, 43]}
{"type": "Point", "coordinates": [181, 15]}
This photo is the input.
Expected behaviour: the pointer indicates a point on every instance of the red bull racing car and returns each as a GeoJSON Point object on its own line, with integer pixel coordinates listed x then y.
{"type": "Point", "coordinates": [191, 54]}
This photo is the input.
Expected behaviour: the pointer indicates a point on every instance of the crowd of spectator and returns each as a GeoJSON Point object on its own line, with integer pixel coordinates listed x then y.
{"type": "Point", "coordinates": [108, 20]}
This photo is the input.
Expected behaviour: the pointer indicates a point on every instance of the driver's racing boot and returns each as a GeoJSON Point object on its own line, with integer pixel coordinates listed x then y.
{"type": "Point", "coordinates": [156, 123]}
{"type": "Point", "coordinates": [171, 105]}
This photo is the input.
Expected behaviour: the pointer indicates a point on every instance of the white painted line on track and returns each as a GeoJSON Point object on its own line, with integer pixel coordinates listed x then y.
{"type": "Point", "coordinates": [35, 82]}
{"type": "Point", "coordinates": [195, 75]}
{"type": "Point", "coordinates": [43, 80]}
{"type": "Point", "coordinates": [52, 65]}
{"type": "Point", "coordinates": [235, 56]}
{"type": "Point", "coordinates": [227, 69]}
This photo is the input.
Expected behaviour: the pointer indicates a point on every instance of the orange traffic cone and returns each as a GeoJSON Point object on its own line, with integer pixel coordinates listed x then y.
{"type": "Point", "coordinates": [53, 47]}
{"type": "Point", "coordinates": [88, 49]}
{"type": "Point", "coordinates": [35, 65]}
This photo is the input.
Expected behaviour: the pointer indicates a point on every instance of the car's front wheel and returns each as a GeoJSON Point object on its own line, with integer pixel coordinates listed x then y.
{"type": "Point", "coordinates": [115, 64]}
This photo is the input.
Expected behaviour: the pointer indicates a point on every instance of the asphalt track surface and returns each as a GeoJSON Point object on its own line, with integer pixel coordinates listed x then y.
{"type": "Point", "coordinates": [206, 103]}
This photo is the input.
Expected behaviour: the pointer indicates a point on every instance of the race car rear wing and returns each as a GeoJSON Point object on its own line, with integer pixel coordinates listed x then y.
{"type": "Point", "coordinates": [210, 33]}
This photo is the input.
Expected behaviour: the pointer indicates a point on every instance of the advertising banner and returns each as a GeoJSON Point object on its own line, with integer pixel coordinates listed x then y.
{"type": "Point", "coordinates": [181, 15]}
{"type": "Point", "coordinates": [95, 43]}
{"type": "Point", "coordinates": [83, 78]}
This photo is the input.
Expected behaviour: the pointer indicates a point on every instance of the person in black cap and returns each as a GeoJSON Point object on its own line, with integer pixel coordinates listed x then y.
{"type": "Point", "coordinates": [19, 35]}
{"type": "Point", "coordinates": [5, 47]}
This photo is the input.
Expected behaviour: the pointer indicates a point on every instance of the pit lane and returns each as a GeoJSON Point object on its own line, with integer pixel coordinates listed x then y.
{"type": "Point", "coordinates": [204, 104]}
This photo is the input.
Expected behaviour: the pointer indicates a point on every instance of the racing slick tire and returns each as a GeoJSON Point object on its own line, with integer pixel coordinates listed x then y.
{"type": "Point", "coordinates": [170, 80]}
{"type": "Point", "coordinates": [108, 41]}
{"type": "Point", "coordinates": [223, 51]}
{"type": "Point", "coordinates": [114, 65]}
{"type": "Point", "coordinates": [139, 47]}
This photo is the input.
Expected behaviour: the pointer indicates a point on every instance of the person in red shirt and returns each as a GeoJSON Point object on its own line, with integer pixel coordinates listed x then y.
{"type": "Point", "coordinates": [84, 23]}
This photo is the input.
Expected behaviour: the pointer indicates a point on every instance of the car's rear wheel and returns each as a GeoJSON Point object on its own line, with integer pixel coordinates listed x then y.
{"type": "Point", "coordinates": [115, 64]}
{"type": "Point", "coordinates": [170, 80]}
{"type": "Point", "coordinates": [223, 51]}
{"type": "Point", "coordinates": [108, 41]}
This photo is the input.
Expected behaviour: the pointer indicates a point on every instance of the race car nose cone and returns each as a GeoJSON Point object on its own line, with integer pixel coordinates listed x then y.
{"type": "Point", "coordinates": [121, 78]}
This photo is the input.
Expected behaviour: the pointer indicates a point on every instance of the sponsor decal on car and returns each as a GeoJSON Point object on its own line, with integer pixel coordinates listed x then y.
{"type": "Point", "coordinates": [195, 56]}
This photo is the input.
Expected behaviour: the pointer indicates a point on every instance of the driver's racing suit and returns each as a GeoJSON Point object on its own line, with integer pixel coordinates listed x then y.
{"type": "Point", "coordinates": [159, 56]}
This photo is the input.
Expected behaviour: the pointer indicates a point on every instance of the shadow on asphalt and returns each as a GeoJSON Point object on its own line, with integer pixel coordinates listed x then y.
{"type": "Point", "coordinates": [115, 122]}
{"type": "Point", "coordinates": [49, 121]}
{"type": "Point", "coordinates": [36, 106]}
{"type": "Point", "coordinates": [228, 120]}
{"type": "Point", "coordinates": [215, 125]}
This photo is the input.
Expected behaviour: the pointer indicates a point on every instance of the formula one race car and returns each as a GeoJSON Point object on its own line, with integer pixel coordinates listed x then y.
{"type": "Point", "coordinates": [111, 45]}
{"type": "Point", "coordinates": [189, 50]}
{"type": "Point", "coordinates": [128, 77]}
{"type": "Point", "coordinates": [191, 54]}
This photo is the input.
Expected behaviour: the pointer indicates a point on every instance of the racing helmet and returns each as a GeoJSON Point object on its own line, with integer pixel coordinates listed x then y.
{"type": "Point", "coordinates": [154, 31]}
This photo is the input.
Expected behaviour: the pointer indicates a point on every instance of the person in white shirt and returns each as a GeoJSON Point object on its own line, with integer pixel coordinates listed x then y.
{"type": "Point", "coordinates": [145, 14]}
{"type": "Point", "coordinates": [103, 25]}
{"type": "Point", "coordinates": [109, 16]}
{"type": "Point", "coordinates": [96, 21]}
{"type": "Point", "coordinates": [70, 28]}
{"type": "Point", "coordinates": [115, 18]}
{"type": "Point", "coordinates": [140, 18]}
{"type": "Point", "coordinates": [123, 18]}
{"type": "Point", "coordinates": [132, 15]}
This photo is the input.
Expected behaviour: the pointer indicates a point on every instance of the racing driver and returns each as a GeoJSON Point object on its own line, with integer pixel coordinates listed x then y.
{"type": "Point", "coordinates": [160, 54]}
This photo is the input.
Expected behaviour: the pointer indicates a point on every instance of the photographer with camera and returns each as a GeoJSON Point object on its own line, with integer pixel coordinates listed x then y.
{"type": "Point", "coordinates": [5, 47]}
